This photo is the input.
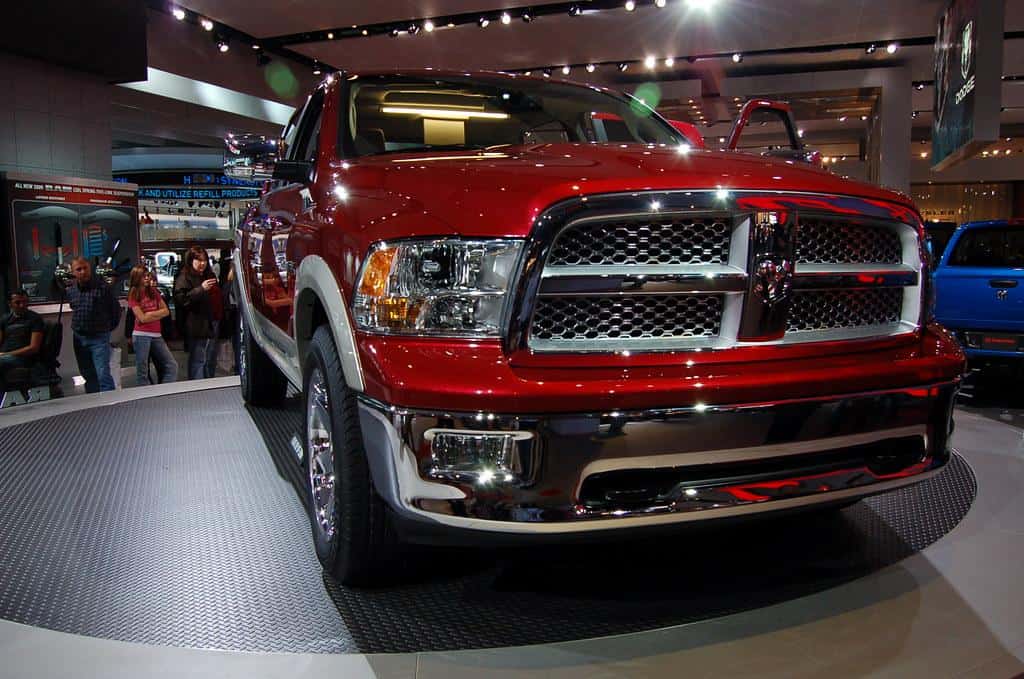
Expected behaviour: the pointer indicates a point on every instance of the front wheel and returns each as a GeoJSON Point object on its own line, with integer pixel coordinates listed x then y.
{"type": "Point", "coordinates": [262, 382]}
{"type": "Point", "coordinates": [354, 539]}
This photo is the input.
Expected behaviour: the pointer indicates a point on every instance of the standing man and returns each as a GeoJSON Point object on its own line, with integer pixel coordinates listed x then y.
{"type": "Point", "coordinates": [21, 336]}
{"type": "Point", "coordinates": [95, 312]}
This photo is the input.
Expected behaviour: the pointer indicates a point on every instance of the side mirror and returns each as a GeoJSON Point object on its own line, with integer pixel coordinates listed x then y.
{"type": "Point", "coordinates": [296, 171]}
{"type": "Point", "coordinates": [250, 156]}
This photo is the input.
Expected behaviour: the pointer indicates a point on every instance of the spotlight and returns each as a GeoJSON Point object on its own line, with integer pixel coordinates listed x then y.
{"type": "Point", "coordinates": [659, 3]}
{"type": "Point", "coordinates": [206, 24]}
{"type": "Point", "coordinates": [366, 32]}
{"type": "Point", "coordinates": [575, 11]}
{"type": "Point", "coordinates": [506, 18]}
{"type": "Point", "coordinates": [623, 66]}
{"type": "Point", "coordinates": [316, 68]}
{"type": "Point", "coordinates": [484, 22]}
{"type": "Point", "coordinates": [527, 15]}
{"type": "Point", "coordinates": [255, 45]}
{"type": "Point", "coordinates": [891, 48]}
{"type": "Point", "coordinates": [863, 118]}
{"type": "Point", "coordinates": [178, 13]}
{"type": "Point", "coordinates": [650, 62]}
{"type": "Point", "coordinates": [670, 62]}
{"type": "Point", "coordinates": [428, 26]}
{"type": "Point", "coordinates": [527, 72]}
{"type": "Point", "coordinates": [630, 5]}
{"type": "Point", "coordinates": [919, 86]}
{"type": "Point", "coordinates": [394, 32]}
{"type": "Point", "coordinates": [222, 44]}
{"type": "Point", "coordinates": [330, 35]}
{"type": "Point", "coordinates": [914, 114]}
{"type": "Point", "coordinates": [870, 49]}
{"type": "Point", "coordinates": [412, 29]}
{"type": "Point", "coordinates": [566, 70]}
{"type": "Point", "coordinates": [591, 68]}
{"type": "Point", "coordinates": [800, 133]}
{"type": "Point", "coordinates": [546, 72]}
{"type": "Point", "coordinates": [737, 58]}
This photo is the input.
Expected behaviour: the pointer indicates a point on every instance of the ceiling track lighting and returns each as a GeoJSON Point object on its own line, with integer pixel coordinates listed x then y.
{"type": "Point", "coordinates": [591, 68]}
{"type": "Point", "coordinates": [623, 66]}
{"type": "Point", "coordinates": [575, 11]}
{"type": "Point", "coordinates": [222, 43]}
{"type": "Point", "coordinates": [483, 22]}
{"type": "Point", "coordinates": [506, 18]}
{"type": "Point", "coordinates": [892, 47]}
{"type": "Point", "coordinates": [412, 29]}
{"type": "Point", "coordinates": [178, 13]}
{"type": "Point", "coordinates": [394, 32]}
{"type": "Point", "coordinates": [527, 15]}
{"type": "Point", "coordinates": [660, 3]}
{"type": "Point", "coordinates": [670, 62]}
{"type": "Point", "coordinates": [206, 24]}
{"type": "Point", "coordinates": [919, 86]}
{"type": "Point", "coordinates": [630, 5]}
{"type": "Point", "coordinates": [650, 62]}
{"type": "Point", "coordinates": [546, 72]}
{"type": "Point", "coordinates": [317, 70]}
{"type": "Point", "coordinates": [737, 58]}
{"type": "Point", "coordinates": [870, 49]}
{"type": "Point", "coordinates": [330, 35]}
{"type": "Point", "coordinates": [428, 26]}
{"type": "Point", "coordinates": [566, 70]}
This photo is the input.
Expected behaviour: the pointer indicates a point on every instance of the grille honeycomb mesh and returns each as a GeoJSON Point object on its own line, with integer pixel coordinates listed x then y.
{"type": "Point", "coordinates": [635, 317]}
{"type": "Point", "coordinates": [834, 241]}
{"type": "Point", "coordinates": [831, 309]}
{"type": "Point", "coordinates": [675, 240]}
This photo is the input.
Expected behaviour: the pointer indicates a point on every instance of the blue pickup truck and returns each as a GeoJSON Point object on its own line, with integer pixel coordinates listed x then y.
{"type": "Point", "coordinates": [979, 290]}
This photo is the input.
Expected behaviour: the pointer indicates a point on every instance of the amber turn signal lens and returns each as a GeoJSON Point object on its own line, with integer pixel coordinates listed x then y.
{"type": "Point", "coordinates": [375, 276]}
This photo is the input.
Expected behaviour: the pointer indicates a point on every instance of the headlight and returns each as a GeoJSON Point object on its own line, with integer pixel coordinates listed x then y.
{"type": "Point", "coordinates": [436, 287]}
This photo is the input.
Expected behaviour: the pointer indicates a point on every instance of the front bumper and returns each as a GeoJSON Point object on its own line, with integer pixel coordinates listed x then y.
{"type": "Point", "coordinates": [601, 471]}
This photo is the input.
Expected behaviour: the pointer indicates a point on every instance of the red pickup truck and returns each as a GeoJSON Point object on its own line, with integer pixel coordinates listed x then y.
{"type": "Point", "coordinates": [521, 309]}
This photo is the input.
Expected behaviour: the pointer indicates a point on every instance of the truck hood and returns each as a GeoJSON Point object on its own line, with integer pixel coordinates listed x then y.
{"type": "Point", "coordinates": [501, 191]}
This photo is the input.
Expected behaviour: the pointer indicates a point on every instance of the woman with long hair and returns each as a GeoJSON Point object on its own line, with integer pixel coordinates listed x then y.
{"type": "Point", "coordinates": [198, 297]}
{"type": "Point", "coordinates": [149, 307]}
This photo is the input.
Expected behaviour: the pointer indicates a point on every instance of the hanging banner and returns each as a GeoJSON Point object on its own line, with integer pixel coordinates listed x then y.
{"type": "Point", "coordinates": [968, 80]}
{"type": "Point", "coordinates": [54, 219]}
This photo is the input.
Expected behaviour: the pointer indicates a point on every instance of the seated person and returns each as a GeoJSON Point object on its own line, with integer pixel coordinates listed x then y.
{"type": "Point", "coordinates": [21, 336]}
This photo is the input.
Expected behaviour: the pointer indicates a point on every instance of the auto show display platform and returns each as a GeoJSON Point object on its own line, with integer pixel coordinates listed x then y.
{"type": "Point", "coordinates": [178, 521]}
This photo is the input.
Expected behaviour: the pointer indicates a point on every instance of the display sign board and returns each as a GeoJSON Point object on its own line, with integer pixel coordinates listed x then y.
{"type": "Point", "coordinates": [185, 179]}
{"type": "Point", "coordinates": [196, 193]}
{"type": "Point", "coordinates": [968, 79]}
{"type": "Point", "coordinates": [53, 219]}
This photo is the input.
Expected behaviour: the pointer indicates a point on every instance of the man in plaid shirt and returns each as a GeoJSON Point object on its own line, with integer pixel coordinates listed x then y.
{"type": "Point", "coordinates": [95, 312]}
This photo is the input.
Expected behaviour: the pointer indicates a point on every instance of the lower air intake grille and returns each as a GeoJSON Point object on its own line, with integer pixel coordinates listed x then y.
{"type": "Point", "coordinates": [607, 318]}
{"type": "Point", "coordinates": [832, 309]}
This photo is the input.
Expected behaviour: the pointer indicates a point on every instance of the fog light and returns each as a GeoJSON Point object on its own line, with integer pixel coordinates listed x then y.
{"type": "Point", "coordinates": [482, 456]}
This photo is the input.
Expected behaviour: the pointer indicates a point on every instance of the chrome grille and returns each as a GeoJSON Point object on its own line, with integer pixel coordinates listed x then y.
{"type": "Point", "coordinates": [599, 318]}
{"type": "Point", "coordinates": [837, 241]}
{"type": "Point", "coordinates": [832, 309]}
{"type": "Point", "coordinates": [675, 240]}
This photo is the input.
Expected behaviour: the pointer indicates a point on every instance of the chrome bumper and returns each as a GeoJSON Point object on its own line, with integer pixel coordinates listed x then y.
{"type": "Point", "coordinates": [600, 471]}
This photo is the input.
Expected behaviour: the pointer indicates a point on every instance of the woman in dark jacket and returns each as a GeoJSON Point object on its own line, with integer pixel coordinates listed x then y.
{"type": "Point", "coordinates": [198, 297]}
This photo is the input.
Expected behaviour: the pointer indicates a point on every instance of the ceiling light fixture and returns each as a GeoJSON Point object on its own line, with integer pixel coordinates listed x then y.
{"type": "Point", "coordinates": [484, 22]}
{"type": "Point", "coordinates": [659, 3]}
{"type": "Point", "coordinates": [366, 32]}
{"type": "Point", "coordinates": [630, 5]}
{"type": "Point", "coordinates": [670, 62]}
{"type": "Point", "coordinates": [566, 70]}
{"type": "Point", "coordinates": [737, 58]}
{"type": "Point", "coordinates": [206, 24]}
{"type": "Point", "coordinates": [546, 73]}
{"type": "Point", "coordinates": [178, 13]}
{"type": "Point", "coordinates": [863, 117]}
{"type": "Point", "coordinates": [316, 68]}
{"type": "Point", "coordinates": [413, 29]}
{"type": "Point", "coordinates": [223, 46]}
{"type": "Point", "coordinates": [527, 15]}
{"type": "Point", "coordinates": [591, 68]}
{"type": "Point", "coordinates": [428, 26]}
{"type": "Point", "coordinates": [870, 49]}
{"type": "Point", "coordinates": [650, 62]}
{"type": "Point", "coordinates": [255, 45]}
{"type": "Point", "coordinates": [506, 18]}
{"type": "Point", "coordinates": [575, 11]}
{"type": "Point", "coordinates": [394, 32]}
{"type": "Point", "coordinates": [892, 47]}
{"type": "Point", "coordinates": [330, 35]}
{"type": "Point", "coordinates": [919, 86]}
{"type": "Point", "coordinates": [623, 66]}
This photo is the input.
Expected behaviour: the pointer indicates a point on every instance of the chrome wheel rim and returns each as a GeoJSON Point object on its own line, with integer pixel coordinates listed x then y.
{"type": "Point", "coordinates": [320, 454]}
{"type": "Point", "coordinates": [243, 352]}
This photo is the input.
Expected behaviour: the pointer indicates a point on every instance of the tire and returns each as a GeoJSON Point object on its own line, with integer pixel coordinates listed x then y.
{"type": "Point", "coordinates": [355, 541]}
{"type": "Point", "coordinates": [263, 384]}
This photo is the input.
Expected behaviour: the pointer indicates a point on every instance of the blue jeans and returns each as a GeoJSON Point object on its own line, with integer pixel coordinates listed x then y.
{"type": "Point", "coordinates": [166, 366]}
{"type": "Point", "coordinates": [93, 355]}
{"type": "Point", "coordinates": [202, 356]}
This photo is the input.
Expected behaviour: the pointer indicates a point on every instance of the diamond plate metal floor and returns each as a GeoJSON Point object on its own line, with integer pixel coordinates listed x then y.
{"type": "Point", "coordinates": [177, 521]}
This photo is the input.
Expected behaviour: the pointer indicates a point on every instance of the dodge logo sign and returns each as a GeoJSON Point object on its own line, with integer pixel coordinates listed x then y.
{"type": "Point", "coordinates": [966, 49]}
{"type": "Point", "coordinates": [774, 280]}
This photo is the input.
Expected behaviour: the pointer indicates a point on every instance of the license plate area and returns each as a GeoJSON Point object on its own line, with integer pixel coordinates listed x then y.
{"type": "Point", "coordinates": [995, 341]}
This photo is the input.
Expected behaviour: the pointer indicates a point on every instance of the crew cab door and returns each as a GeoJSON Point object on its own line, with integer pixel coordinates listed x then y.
{"type": "Point", "coordinates": [772, 117]}
{"type": "Point", "coordinates": [979, 283]}
{"type": "Point", "coordinates": [287, 218]}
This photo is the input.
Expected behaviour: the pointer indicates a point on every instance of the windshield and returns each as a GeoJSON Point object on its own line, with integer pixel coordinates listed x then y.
{"type": "Point", "coordinates": [991, 247]}
{"type": "Point", "coordinates": [392, 114]}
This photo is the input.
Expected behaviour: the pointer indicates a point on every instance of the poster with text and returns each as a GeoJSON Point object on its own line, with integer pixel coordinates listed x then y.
{"type": "Point", "coordinates": [54, 220]}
